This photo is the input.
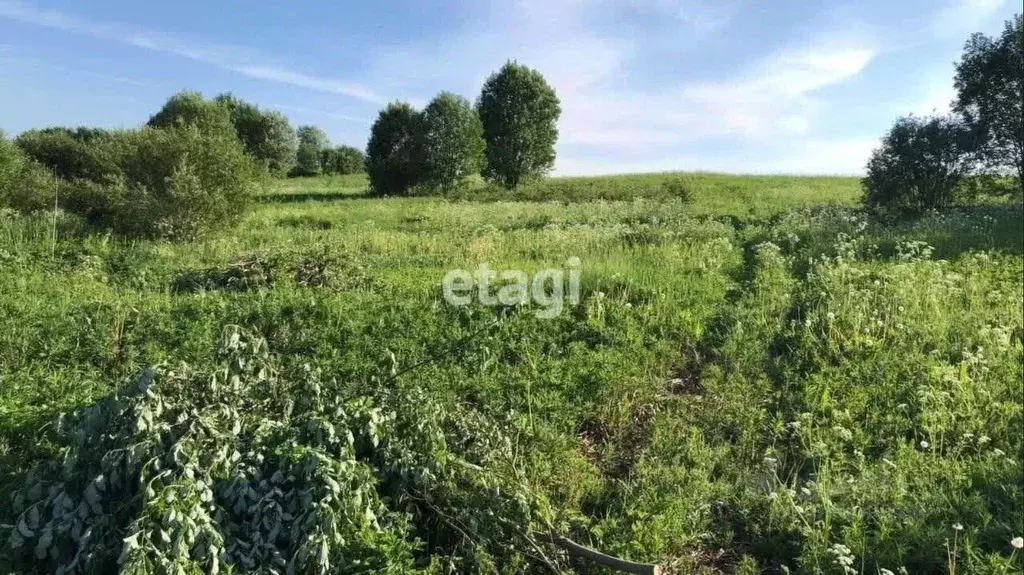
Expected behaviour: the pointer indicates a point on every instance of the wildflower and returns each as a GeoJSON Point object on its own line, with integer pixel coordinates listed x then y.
{"type": "Point", "coordinates": [958, 527]}
{"type": "Point", "coordinates": [884, 571]}
{"type": "Point", "coordinates": [1017, 542]}
{"type": "Point", "coordinates": [925, 444]}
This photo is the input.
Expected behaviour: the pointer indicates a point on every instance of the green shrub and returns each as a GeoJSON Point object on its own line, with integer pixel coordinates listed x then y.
{"type": "Point", "coordinates": [519, 111]}
{"type": "Point", "coordinates": [452, 144]}
{"type": "Point", "coordinates": [82, 153]}
{"type": "Point", "coordinates": [392, 154]}
{"type": "Point", "coordinates": [267, 136]}
{"type": "Point", "coordinates": [312, 142]}
{"type": "Point", "coordinates": [191, 109]}
{"type": "Point", "coordinates": [176, 183]}
{"type": "Point", "coordinates": [25, 185]}
{"type": "Point", "coordinates": [920, 165]}
{"type": "Point", "coordinates": [342, 161]}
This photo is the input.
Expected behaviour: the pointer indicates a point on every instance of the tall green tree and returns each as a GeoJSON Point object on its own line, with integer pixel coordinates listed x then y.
{"type": "Point", "coordinates": [519, 112]}
{"type": "Point", "coordinates": [990, 96]}
{"type": "Point", "coordinates": [190, 108]}
{"type": "Point", "coordinates": [267, 135]}
{"type": "Point", "coordinates": [312, 142]}
{"type": "Point", "coordinates": [392, 154]}
{"type": "Point", "coordinates": [452, 144]}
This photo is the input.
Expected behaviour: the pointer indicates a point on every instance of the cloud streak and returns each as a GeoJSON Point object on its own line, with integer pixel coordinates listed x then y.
{"type": "Point", "coordinates": [239, 59]}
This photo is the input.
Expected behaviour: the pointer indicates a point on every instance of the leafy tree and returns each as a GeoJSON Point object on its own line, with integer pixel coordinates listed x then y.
{"type": "Point", "coordinates": [176, 182]}
{"type": "Point", "coordinates": [452, 144]}
{"type": "Point", "coordinates": [351, 160]}
{"type": "Point", "coordinates": [312, 141]}
{"type": "Point", "coordinates": [920, 165]}
{"type": "Point", "coordinates": [990, 96]}
{"type": "Point", "coordinates": [342, 160]}
{"type": "Point", "coordinates": [25, 185]}
{"type": "Point", "coordinates": [267, 135]}
{"type": "Point", "coordinates": [190, 108]}
{"type": "Point", "coordinates": [392, 154]}
{"type": "Point", "coordinates": [81, 153]}
{"type": "Point", "coordinates": [519, 112]}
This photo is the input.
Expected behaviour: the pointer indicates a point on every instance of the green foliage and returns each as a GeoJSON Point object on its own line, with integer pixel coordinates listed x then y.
{"type": "Point", "coordinates": [249, 468]}
{"type": "Point", "coordinates": [312, 142]}
{"type": "Point", "coordinates": [191, 109]}
{"type": "Point", "coordinates": [452, 144]}
{"type": "Point", "coordinates": [25, 186]}
{"type": "Point", "coordinates": [177, 182]}
{"type": "Point", "coordinates": [745, 384]}
{"type": "Point", "coordinates": [393, 158]}
{"type": "Point", "coordinates": [990, 91]}
{"type": "Point", "coordinates": [920, 165]}
{"type": "Point", "coordinates": [82, 153]}
{"type": "Point", "coordinates": [519, 112]}
{"type": "Point", "coordinates": [342, 161]}
{"type": "Point", "coordinates": [266, 135]}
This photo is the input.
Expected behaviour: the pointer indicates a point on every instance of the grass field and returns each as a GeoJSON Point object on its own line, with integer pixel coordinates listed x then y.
{"type": "Point", "coordinates": [758, 376]}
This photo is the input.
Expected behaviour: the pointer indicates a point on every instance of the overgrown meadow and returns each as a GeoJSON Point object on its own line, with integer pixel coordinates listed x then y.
{"type": "Point", "coordinates": [759, 377]}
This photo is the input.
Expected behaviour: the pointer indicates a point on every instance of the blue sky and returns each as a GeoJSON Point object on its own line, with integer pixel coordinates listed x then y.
{"type": "Point", "coordinates": [646, 85]}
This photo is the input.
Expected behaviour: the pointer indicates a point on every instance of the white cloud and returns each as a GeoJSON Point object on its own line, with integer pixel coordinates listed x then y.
{"type": "Point", "coordinates": [322, 113]}
{"type": "Point", "coordinates": [775, 98]}
{"type": "Point", "coordinates": [959, 17]}
{"type": "Point", "coordinates": [239, 59]}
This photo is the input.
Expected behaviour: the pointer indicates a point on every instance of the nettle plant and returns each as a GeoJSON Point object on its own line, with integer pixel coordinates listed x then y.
{"type": "Point", "coordinates": [246, 470]}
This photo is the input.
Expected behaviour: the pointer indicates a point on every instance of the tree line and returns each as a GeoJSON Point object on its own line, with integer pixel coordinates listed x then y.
{"type": "Point", "coordinates": [508, 136]}
{"type": "Point", "coordinates": [927, 163]}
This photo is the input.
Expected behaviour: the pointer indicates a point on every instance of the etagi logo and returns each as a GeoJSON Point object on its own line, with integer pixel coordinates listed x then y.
{"type": "Point", "coordinates": [547, 289]}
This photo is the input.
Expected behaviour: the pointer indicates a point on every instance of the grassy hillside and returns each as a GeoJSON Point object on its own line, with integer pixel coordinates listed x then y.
{"type": "Point", "coordinates": [758, 376]}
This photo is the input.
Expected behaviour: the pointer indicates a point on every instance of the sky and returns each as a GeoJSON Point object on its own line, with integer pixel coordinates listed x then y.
{"type": "Point", "coordinates": [740, 86]}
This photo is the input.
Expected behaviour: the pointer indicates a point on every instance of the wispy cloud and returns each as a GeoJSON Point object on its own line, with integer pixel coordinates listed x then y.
{"type": "Point", "coordinates": [321, 113]}
{"type": "Point", "coordinates": [6, 54]}
{"type": "Point", "coordinates": [239, 59]}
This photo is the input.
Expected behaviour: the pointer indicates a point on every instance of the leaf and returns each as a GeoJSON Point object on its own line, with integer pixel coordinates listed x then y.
{"type": "Point", "coordinates": [24, 530]}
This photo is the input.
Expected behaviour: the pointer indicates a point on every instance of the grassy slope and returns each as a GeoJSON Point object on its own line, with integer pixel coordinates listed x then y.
{"type": "Point", "coordinates": [711, 392]}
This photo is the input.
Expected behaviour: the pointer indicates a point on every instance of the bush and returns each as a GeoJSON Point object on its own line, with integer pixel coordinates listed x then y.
{"type": "Point", "coordinates": [176, 183]}
{"type": "Point", "coordinates": [990, 96]}
{"type": "Point", "coordinates": [519, 112]}
{"type": "Point", "coordinates": [267, 136]}
{"type": "Point", "coordinates": [312, 142]}
{"type": "Point", "coordinates": [452, 144]}
{"type": "Point", "coordinates": [25, 185]}
{"type": "Point", "coordinates": [82, 153]}
{"type": "Point", "coordinates": [392, 155]}
{"type": "Point", "coordinates": [191, 109]}
{"type": "Point", "coordinates": [919, 166]}
{"type": "Point", "coordinates": [342, 161]}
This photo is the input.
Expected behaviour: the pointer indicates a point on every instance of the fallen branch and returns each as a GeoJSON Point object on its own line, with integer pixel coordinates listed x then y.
{"type": "Point", "coordinates": [578, 550]}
